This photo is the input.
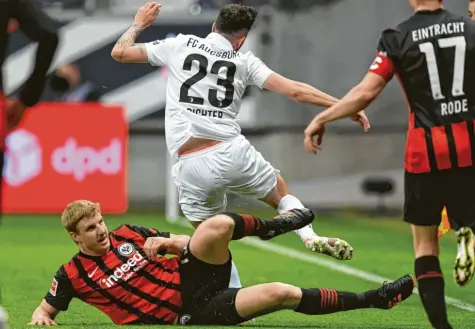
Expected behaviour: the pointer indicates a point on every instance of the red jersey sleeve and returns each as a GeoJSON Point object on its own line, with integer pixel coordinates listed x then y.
{"type": "Point", "coordinates": [61, 291]}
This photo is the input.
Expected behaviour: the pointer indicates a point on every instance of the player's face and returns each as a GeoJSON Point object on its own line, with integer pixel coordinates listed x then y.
{"type": "Point", "coordinates": [471, 10]}
{"type": "Point", "coordinates": [92, 236]}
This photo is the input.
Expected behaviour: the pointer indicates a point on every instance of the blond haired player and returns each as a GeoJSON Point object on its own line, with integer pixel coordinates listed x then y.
{"type": "Point", "coordinates": [125, 274]}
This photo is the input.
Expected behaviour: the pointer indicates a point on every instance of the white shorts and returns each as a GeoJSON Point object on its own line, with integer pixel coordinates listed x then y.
{"type": "Point", "coordinates": [203, 177]}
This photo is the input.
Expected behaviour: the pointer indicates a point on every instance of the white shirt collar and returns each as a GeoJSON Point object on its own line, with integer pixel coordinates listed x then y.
{"type": "Point", "coordinates": [218, 39]}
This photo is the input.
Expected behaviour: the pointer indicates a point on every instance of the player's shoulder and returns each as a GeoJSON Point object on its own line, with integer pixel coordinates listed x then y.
{"type": "Point", "coordinates": [69, 270]}
{"type": "Point", "coordinates": [127, 230]}
{"type": "Point", "coordinates": [453, 16]}
{"type": "Point", "coordinates": [392, 32]}
{"type": "Point", "coordinates": [248, 56]}
{"type": "Point", "coordinates": [170, 40]}
{"type": "Point", "coordinates": [392, 37]}
{"type": "Point", "coordinates": [123, 228]}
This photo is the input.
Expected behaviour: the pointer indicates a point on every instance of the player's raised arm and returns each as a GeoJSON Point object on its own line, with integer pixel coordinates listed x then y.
{"type": "Point", "coordinates": [44, 315]}
{"type": "Point", "coordinates": [354, 102]}
{"type": "Point", "coordinates": [297, 91]}
{"type": "Point", "coordinates": [260, 75]}
{"type": "Point", "coordinates": [263, 77]}
{"type": "Point", "coordinates": [126, 50]}
{"type": "Point", "coordinates": [357, 99]}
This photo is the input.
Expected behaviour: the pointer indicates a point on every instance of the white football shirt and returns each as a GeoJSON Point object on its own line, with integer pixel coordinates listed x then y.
{"type": "Point", "coordinates": [206, 83]}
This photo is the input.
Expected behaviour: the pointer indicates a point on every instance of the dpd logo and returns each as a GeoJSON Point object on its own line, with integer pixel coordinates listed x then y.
{"type": "Point", "coordinates": [23, 160]}
{"type": "Point", "coordinates": [81, 161]}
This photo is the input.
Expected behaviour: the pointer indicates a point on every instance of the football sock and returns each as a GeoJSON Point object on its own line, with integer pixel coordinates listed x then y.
{"type": "Point", "coordinates": [290, 202]}
{"type": "Point", "coordinates": [326, 301]}
{"type": "Point", "coordinates": [247, 225]}
{"type": "Point", "coordinates": [431, 289]}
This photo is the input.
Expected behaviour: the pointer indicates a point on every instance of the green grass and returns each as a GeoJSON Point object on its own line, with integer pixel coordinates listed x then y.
{"type": "Point", "coordinates": [33, 248]}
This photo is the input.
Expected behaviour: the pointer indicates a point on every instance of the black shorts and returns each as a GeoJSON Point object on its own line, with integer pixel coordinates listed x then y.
{"type": "Point", "coordinates": [427, 194]}
{"type": "Point", "coordinates": [207, 300]}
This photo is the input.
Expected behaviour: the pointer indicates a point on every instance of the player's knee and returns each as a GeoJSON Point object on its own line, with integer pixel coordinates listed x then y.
{"type": "Point", "coordinates": [426, 250]}
{"type": "Point", "coordinates": [283, 295]}
{"type": "Point", "coordinates": [426, 247]}
{"type": "Point", "coordinates": [219, 224]}
{"type": "Point", "coordinates": [426, 241]}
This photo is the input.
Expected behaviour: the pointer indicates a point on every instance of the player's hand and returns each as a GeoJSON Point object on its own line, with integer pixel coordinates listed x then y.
{"type": "Point", "coordinates": [154, 245]}
{"type": "Point", "coordinates": [14, 112]}
{"type": "Point", "coordinates": [361, 119]}
{"type": "Point", "coordinates": [42, 321]}
{"type": "Point", "coordinates": [314, 129]}
{"type": "Point", "coordinates": [147, 14]}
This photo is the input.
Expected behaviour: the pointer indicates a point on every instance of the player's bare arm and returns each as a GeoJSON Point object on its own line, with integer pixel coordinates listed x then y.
{"type": "Point", "coordinates": [304, 93]}
{"type": "Point", "coordinates": [355, 101]}
{"type": "Point", "coordinates": [44, 315]}
{"type": "Point", "coordinates": [298, 91]}
{"type": "Point", "coordinates": [126, 50]}
{"type": "Point", "coordinates": [173, 245]}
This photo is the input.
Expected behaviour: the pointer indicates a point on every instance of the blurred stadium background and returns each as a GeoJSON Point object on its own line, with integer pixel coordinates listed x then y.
{"type": "Point", "coordinates": [327, 43]}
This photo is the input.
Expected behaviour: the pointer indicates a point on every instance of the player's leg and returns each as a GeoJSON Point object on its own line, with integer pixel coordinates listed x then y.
{"type": "Point", "coordinates": [235, 306]}
{"type": "Point", "coordinates": [205, 264]}
{"type": "Point", "coordinates": [461, 211]}
{"type": "Point", "coordinates": [210, 241]}
{"type": "Point", "coordinates": [424, 201]}
{"type": "Point", "coordinates": [333, 247]}
{"type": "Point", "coordinates": [201, 195]}
{"type": "Point", "coordinates": [235, 280]}
{"type": "Point", "coordinates": [257, 178]}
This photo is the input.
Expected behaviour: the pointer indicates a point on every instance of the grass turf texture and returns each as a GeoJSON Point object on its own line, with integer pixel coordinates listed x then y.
{"type": "Point", "coordinates": [33, 248]}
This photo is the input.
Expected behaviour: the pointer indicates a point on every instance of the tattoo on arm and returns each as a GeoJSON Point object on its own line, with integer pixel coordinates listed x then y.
{"type": "Point", "coordinates": [128, 39]}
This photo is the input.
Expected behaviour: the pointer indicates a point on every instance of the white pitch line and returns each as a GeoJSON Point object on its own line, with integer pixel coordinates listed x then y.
{"type": "Point", "coordinates": [294, 254]}
{"type": "Point", "coordinates": [345, 269]}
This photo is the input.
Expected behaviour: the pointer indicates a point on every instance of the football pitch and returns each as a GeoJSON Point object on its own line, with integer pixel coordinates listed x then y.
{"type": "Point", "coordinates": [33, 248]}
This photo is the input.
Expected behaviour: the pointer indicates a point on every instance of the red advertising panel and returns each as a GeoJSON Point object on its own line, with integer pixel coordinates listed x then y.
{"type": "Point", "coordinates": [65, 152]}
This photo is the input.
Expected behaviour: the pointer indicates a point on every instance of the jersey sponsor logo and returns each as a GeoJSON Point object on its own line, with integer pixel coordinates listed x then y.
{"type": "Point", "coordinates": [125, 249]}
{"type": "Point", "coordinates": [125, 271]}
{"type": "Point", "coordinates": [23, 161]}
{"type": "Point", "coordinates": [81, 161]}
{"type": "Point", "coordinates": [54, 287]}
{"type": "Point", "coordinates": [30, 167]}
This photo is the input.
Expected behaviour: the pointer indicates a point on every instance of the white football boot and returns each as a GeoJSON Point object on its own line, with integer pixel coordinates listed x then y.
{"type": "Point", "coordinates": [334, 247]}
{"type": "Point", "coordinates": [464, 266]}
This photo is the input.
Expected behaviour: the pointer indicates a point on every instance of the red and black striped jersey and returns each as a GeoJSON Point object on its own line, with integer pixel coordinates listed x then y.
{"type": "Point", "coordinates": [433, 55]}
{"type": "Point", "coordinates": [124, 283]}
